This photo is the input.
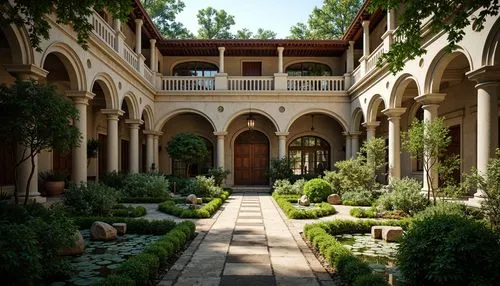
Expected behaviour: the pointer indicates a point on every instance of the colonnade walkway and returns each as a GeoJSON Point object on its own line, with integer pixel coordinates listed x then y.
{"type": "Point", "coordinates": [249, 243]}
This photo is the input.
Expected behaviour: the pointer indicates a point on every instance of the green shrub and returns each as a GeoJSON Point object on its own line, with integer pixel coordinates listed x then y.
{"type": "Point", "coordinates": [405, 196]}
{"type": "Point", "coordinates": [135, 270]}
{"type": "Point", "coordinates": [143, 200]}
{"type": "Point", "coordinates": [130, 211]}
{"type": "Point", "coordinates": [117, 280]}
{"type": "Point", "coordinates": [219, 174]}
{"type": "Point", "coordinates": [179, 183]}
{"type": "Point", "coordinates": [159, 251]}
{"type": "Point", "coordinates": [321, 209]}
{"type": "Point", "coordinates": [358, 197]}
{"type": "Point", "coordinates": [317, 190]}
{"type": "Point", "coordinates": [350, 267]}
{"type": "Point", "coordinates": [205, 211]}
{"type": "Point", "coordinates": [202, 186]}
{"type": "Point", "coordinates": [139, 185]}
{"type": "Point", "coordinates": [114, 180]}
{"type": "Point", "coordinates": [351, 175]}
{"type": "Point", "coordinates": [137, 226]}
{"type": "Point", "coordinates": [363, 213]}
{"type": "Point", "coordinates": [90, 199]}
{"type": "Point", "coordinates": [370, 280]}
{"type": "Point", "coordinates": [448, 249]}
{"type": "Point", "coordinates": [450, 208]}
{"type": "Point", "coordinates": [284, 187]}
{"type": "Point", "coordinates": [280, 170]}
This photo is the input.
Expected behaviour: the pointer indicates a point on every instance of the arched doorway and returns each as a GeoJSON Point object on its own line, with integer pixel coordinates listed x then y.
{"type": "Point", "coordinates": [251, 158]}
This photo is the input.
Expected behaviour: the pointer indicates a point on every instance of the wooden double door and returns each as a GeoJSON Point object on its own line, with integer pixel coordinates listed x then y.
{"type": "Point", "coordinates": [251, 158]}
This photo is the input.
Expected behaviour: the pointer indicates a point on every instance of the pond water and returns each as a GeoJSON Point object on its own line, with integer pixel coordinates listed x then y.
{"type": "Point", "coordinates": [379, 255]}
{"type": "Point", "coordinates": [101, 257]}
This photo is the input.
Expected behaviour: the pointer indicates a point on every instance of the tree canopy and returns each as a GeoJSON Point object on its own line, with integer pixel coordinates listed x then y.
{"type": "Point", "coordinates": [163, 14]}
{"type": "Point", "coordinates": [214, 24]}
{"type": "Point", "coordinates": [450, 16]}
{"type": "Point", "coordinates": [261, 34]}
{"type": "Point", "coordinates": [188, 148]}
{"type": "Point", "coordinates": [32, 13]}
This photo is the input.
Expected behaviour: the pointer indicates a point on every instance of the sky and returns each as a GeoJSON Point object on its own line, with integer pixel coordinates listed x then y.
{"type": "Point", "coordinates": [275, 15]}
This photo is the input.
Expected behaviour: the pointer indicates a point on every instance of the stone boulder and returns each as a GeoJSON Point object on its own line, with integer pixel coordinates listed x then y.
{"type": "Point", "coordinates": [334, 199]}
{"type": "Point", "coordinates": [121, 228]}
{"type": "Point", "coordinates": [192, 199]}
{"type": "Point", "coordinates": [78, 246]}
{"type": "Point", "coordinates": [391, 233]}
{"type": "Point", "coordinates": [304, 201]}
{"type": "Point", "coordinates": [102, 231]}
{"type": "Point", "coordinates": [377, 231]}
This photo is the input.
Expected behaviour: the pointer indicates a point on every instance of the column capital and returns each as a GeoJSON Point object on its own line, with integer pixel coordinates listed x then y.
{"type": "Point", "coordinates": [282, 133]}
{"type": "Point", "coordinates": [485, 74]}
{"type": "Point", "coordinates": [351, 43]}
{"type": "Point", "coordinates": [221, 49]}
{"type": "Point", "coordinates": [394, 112]}
{"type": "Point", "coordinates": [371, 124]}
{"type": "Point", "coordinates": [152, 132]}
{"type": "Point", "coordinates": [138, 21]}
{"type": "Point", "coordinates": [26, 72]}
{"type": "Point", "coordinates": [365, 24]}
{"type": "Point", "coordinates": [220, 133]}
{"type": "Point", "coordinates": [430, 98]}
{"type": "Point", "coordinates": [280, 49]}
{"type": "Point", "coordinates": [112, 114]}
{"type": "Point", "coordinates": [80, 97]}
{"type": "Point", "coordinates": [346, 134]}
{"type": "Point", "coordinates": [355, 134]}
{"type": "Point", "coordinates": [134, 123]}
{"type": "Point", "coordinates": [152, 41]}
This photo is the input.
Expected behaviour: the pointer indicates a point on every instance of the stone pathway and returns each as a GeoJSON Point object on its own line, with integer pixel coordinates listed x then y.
{"type": "Point", "coordinates": [248, 244]}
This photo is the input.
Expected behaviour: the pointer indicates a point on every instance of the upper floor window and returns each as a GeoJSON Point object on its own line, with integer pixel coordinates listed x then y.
{"type": "Point", "coordinates": [309, 69]}
{"type": "Point", "coordinates": [195, 69]}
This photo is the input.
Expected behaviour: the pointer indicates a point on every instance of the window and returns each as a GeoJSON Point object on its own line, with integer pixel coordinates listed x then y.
{"type": "Point", "coordinates": [309, 155]}
{"type": "Point", "coordinates": [201, 168]}
{"type": "Point", "coordinates": [195, 69]}
{"type": "Point", "coordinates": [309, 69]}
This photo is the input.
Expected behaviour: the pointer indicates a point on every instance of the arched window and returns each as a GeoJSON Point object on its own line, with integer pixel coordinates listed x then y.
{"type": "Point", "coordinates": [309, 155]}
{"type": "Point", "coordinates": [309, 69]}
{"type": "Point", "coordinates": [195, 69]}
{"type": "Point", "coordinates": [201, 168]}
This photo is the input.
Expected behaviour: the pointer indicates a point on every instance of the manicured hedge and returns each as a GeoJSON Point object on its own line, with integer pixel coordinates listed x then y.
{"type": "Point", "coordinates": [143, 268]}
{"type": "Point", "coordinates": [363, 213]}
{"type": "Point", "coordinates": [206, 211]}
{"type": "Point", "coordinates": [138, 226]}
{"type": "Point", "coordinates": [285, 203]}
{"type": "Point", "coordinates": [143, 200]}
{"type": "Point", "coordinates": [130, 211]}
{"type": "Point", "coordinates": [350, 268]}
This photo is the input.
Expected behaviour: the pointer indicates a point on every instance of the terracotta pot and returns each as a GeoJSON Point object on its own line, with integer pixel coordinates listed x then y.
{"type": "Point", "coordinates": [53, 188]}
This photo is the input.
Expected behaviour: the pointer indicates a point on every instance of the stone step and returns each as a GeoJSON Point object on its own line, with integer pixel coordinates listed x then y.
{"type": "Point", "coordinates": [251, 189]}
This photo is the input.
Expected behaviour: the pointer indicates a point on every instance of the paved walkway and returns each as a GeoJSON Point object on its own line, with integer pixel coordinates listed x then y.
{"type": "Point", "coordinates": [248, 244]}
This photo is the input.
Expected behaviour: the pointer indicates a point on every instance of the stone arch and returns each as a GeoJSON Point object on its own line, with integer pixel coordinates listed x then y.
{"type": "Point", "coordinates": [491, 51]}
{"type": "Point", "coordinates": [439, 65]}
{"type": "Point", "coordinates": [329, 113]}
{"type": "Point", "coordinates": [373, 106]}
{"type": "Point", "coordinates": [174, 64]}
{"type": "Point", "coordinates": [19, 43]}
{"type": "Point", "coordinates": [71, 62]}
{"type": "Point", "coordinates": [399, 89]}
{"type": "Point", "coordinates": [256, 111]}
{"type": "Point", "coordinates": [412, 111]}
{"type": "Point", "coordinates": [108, 86]}
{"type": "Point", "coordinates": [159, 125]}
{"type": "Point", "coordinates": [132, 104]}
{"type": "Point", "coordinates": [357, 119]}
{"type": "Point", "coordinates": [147, 112]}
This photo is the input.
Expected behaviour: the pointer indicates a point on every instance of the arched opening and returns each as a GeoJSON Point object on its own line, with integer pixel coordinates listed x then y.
{"type": "Point", "coordinates": [251, 158]}
{"type": "Point", "coordinates": [198, 168]}
{"type": "Point", "coordinates": [309, 69]}
{"type": "Point", "coordinates": [310, 155]}
{"type": "Point", "coordinates": [202, 69]}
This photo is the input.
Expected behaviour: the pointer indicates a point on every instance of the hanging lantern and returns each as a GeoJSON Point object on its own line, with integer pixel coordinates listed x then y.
{"type": "Point", "coordinates": [250, 122]}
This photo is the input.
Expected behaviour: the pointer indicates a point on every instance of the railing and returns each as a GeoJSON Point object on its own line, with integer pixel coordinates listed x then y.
{"type": "Point", "coordinates": [187, 83]}
{"type": "Point", "coordinates": [148, 74]}
{"type": "Point", "coordinates": [103, 30]}
{"type": "Point", "coordinates": [356, 75]}
{"type": "Point", "coordinates": [319, 83]}
{"type": "Point", "coordinates": [374, 56]}
{"type": "Point", "coordinates": [246, 83]}
{"type": "Point", "coordinates": [130, 56]}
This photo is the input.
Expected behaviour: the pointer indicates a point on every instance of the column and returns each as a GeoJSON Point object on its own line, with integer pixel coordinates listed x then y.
{"type": "Point", "coordinates": [350, 57]}
{"type": "Point", "coordinates": [119, 36]}
{"type": "Point", "coordinates": [366, 45]}
{"type": "Point", "coordinates": [112, 138]}
{"type": "Point", "coordinates": [394, 117]}
{"type": "Point", "coordinates": [280, 59]}
{"type": "Point", "coordinates": [488, 79]}
{"type": "Point", "coordinates": [138, 36]}
{"type": "Point", "coordinates": [371, 128]}
{"type": "Point", "coordinates": [133, 152]}
{"type": "Point", "coordinates": [220, 148]}
{"type": "Point", "coordinates": [387, 37]}
{"type": "Point", "coordinates": [354, 143]}
{"type": "Point", "coordinates": [281, 144]}
{"type": "Point", "coordinates": [153, 65]}
{"type": "Point", "coordinates": [430, 104]}
{"type": "Point", "coordinates": [348, 152]}
{"type": "Point", "coordinates": [221, 59]}
{"type": "Point", "coordinates": [149, 149]}
{"type": "Point", "coordinates": [79, 158]}
{"type": "Point", "coordinates": [156, 149]}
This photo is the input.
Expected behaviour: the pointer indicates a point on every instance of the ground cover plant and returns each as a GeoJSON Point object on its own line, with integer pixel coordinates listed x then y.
{"type": "Point", "coordinates": [286, 204]}
{"type": "Point", "coordinates": [138, 188]}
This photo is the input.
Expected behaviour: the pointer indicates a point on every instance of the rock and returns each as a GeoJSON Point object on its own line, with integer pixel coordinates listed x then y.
{"type": "Point", "coordinates": [304, 201]}
{"type": "Point", "coordinates": [334, 199]}
{"type": "Point", "coordinates": [121, 228]}
{"type": "Point", "coordinates": [102, 231]}
{"type": "Point", "coordinates": [199, 201]}
{"type": "Point", "coordinates": [192, 199]}
{"type": "Point", "coordinates": [391, 233]}
{"type": "Point", "coordinates": [377, 231]}
{"type": "Point", "coordinates": [78, 247]}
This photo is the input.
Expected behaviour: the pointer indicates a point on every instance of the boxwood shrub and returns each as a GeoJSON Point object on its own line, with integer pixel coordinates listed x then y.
{"type": "Point", "coordinates": [205, 211]}
{"type": "Point", "coordinates": [285, 203]}
{"type": "Point", "coordinates": [317, 190]}
{"type": "Point", "coordinates": [130, 211]}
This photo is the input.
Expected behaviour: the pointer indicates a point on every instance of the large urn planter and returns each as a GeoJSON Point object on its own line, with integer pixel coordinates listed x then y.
{"type": "Point", "coordinates": [53, 188]}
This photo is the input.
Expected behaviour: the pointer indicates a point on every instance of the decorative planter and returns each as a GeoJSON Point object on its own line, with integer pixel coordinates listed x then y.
{"type": "Point", "coordinates": [53, 188]}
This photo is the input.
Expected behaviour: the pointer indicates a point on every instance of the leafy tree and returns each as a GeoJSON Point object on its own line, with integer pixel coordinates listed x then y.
{"type": "Point", "coordinates": [450, 16]}
{"type": "Point", "coordinates": [34, 117]}
{"type": "Point", "coordinates": [429, 140]}
{"type": "Point", "coordinates": [265, 34]}
{"type": "Point", "coordinates": [243, 34]}
{"type": "Point", "coordinates": [163, 13]}
{"type": "Point", "coordinates": [374, 153]}
{"type": "Point", "coordinates": [214, 24]}
{"type": "Point", "coordinates": [33, 14]}
{"type": "Point", "coordinates": [328, 22]}
{"type": "Point", "coordinates": [187, 148]}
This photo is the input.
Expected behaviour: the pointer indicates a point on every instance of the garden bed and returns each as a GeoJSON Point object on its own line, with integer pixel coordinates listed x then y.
{"type": "Point", "coordinates": [173, 207]}
{"type": "Point", "coordinates": [288, 203]}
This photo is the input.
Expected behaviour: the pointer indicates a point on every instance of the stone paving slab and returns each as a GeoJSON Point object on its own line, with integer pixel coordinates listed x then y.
{"type": "Point", "coordinates": [248, 249]}
{"type": "Point", "coordinates": [249, 237]}
{"type": "Point", "coordinates": [248, 269]}
{"type": "Point", "coordinates": [248, 258]}
{"type": "Point", "coordinates": [247, 281]}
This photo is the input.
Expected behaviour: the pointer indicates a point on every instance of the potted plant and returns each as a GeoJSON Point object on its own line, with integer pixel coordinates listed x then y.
{"type": "Point", "coordinates": [92, 148]}
{"type": "Point", "coordinates": [53, 182]}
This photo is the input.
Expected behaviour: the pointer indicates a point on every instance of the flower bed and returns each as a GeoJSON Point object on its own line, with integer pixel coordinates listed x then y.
{"type": "Point", "coordinates": [285, 203]}
{"type": "Point", "coordinates": [206, 211]}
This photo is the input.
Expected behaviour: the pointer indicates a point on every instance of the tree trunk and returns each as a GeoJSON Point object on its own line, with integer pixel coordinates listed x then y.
{"type": "Point", "coordinates": [32, 159]}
